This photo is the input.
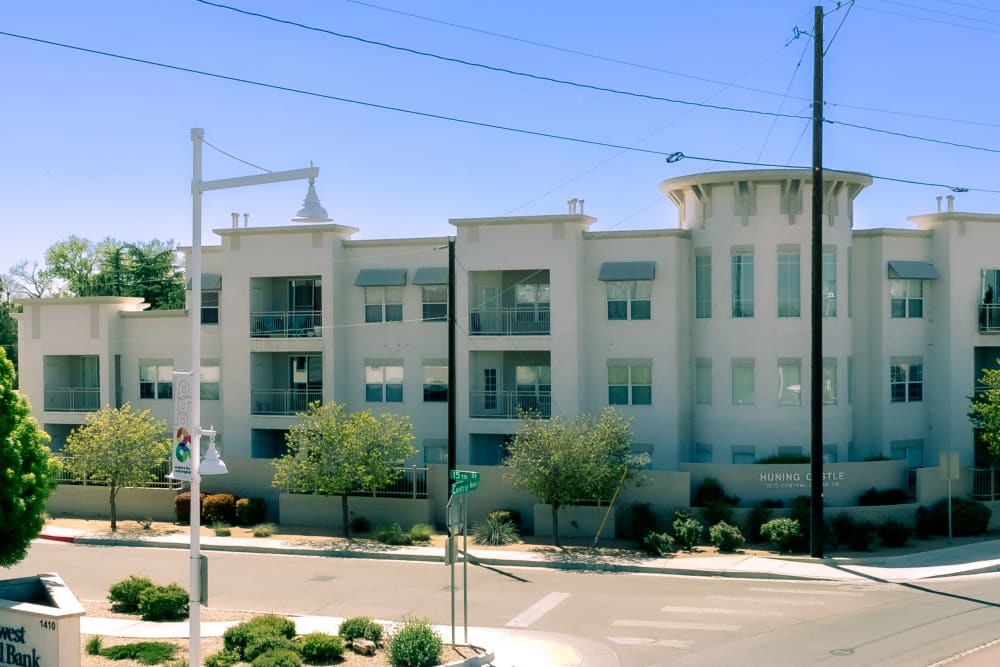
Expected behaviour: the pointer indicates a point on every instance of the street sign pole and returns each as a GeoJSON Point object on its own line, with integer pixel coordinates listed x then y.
{"type": "Point", "coordinates": [465, 566]}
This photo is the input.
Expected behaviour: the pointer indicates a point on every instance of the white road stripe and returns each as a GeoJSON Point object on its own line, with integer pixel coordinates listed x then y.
{"type": "Point", "coordinates": [761, 600]}
{"type": "Point", "coordinates": [790, 591]}
{"type": "Point", "coordinates": [646, 641]}
{"type": "Point", "coordinates": [721, 611]}
{"type": "Point", "coordinates": [675, 625]}
{"type": "Point", "coordinates": [537, 610]}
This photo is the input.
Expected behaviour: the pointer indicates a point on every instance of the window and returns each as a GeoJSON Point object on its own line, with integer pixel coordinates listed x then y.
{"type": "Point", "coordinates": [210, 376]}
{"type": "Point", "coordinates": [630, 385]}
{"type": "Point", "coordinates": [156, 380]}
{"type": "Point", "coordinates": [703, 286]}
{"type": "Point", "coordinates": [435, 299]}
{"type": "Point", "coordinates": [989, 311]}
{"type": "Point", "coordinates": [435, 451]}
{"type": "Point", "coordinates": [906, 382]}
{"type": "Point", "coordinates": [829, 283]}
{"type": "Point", "coordinates": [267, 443]}
{"type": "Point", "coordinates": [911, 451]}
{"type": "Point", "coordinates": [304, 294]}
{"type": "Point", "coordinates": [210, 306]}
{"type": "Point", "coordinates": [906, 297]}
{"type": "Point", "coordinates": [742, 269]}
{"type": "Point", "coordinates": [829, 381]}
{"type": "Point", "coordinates": [789, 285]}
{"type": "Point", "coordinates": [702, 452]}
{"type": "Point", "coordinates": [384, 384]}
{"type": "Point", "coordinates": [743, 381]}
{"type": "Point", "coordinates": [533, 386]}
{"type": "Point", "coordinates": [383, 304]}
{"type": "Point", "coordinates": [789, 382]}
{"type": "Point", "coordinates": [435, 383]}
{"type": "Point", "coordinates": [629, 299]}
{"type": "Point", "coordinates": [703, 381]}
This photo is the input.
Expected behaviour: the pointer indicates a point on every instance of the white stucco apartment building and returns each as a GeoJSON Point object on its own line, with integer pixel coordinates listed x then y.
{"type": "Point", "coordinates": [699, 333]}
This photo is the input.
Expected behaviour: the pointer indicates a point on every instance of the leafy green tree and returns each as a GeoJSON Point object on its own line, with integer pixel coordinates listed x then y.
{"type": "Point", "coordinates": [73, 261]}
{"type": "Point", "coordinates": [561, 462]}
{"type": "Point", "coordinates": [984, 410]}
{"type": "Point", "coordinates": [27, 471]}
{"type": "Point", "coordinates": [332, 452]}
{"type": "Point", "coordinates": [119, 447]}
{"type": "Point", "coordinates": [8, 325]}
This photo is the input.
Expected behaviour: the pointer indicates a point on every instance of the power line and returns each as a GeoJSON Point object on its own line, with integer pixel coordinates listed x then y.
{"type": "Point", "coordinates": [938, 11]}
{"type": "Point", "coordinates": [586, 86]}
{"type": "Point", "coordinates": [230, 155]}
{"type": "Point", "coordinates": [840, 25]}
{"type": "Point", "coordinates": [930, 20]}
{"type": "Point", "coordinates": [671, 157]}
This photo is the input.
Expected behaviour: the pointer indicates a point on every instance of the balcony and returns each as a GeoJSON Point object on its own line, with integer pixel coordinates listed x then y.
{"type": "Point", "coordinates": [286, 324]}
{"type": "Point", "coordinates": [282, 402]}
{"type": "Point", "coordinates": [989, 317]}
{"type": "Point", "coordinates": [509, 404]}
{"type": "Point", "coordinates": [73, 399]}
{"type": "Point", "coordinates": [518, 321]}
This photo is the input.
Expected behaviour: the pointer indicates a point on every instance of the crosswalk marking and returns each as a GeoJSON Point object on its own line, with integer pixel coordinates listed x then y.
{"type": "Point", "coordinates": [537, 610]}
{"type": "Point", "coordinates": [647, 641]}
{"type": "Point", "coordinates": [721, 611]}
{"type": "Point", "coordinates": [790, 591]}
{"type": "Point", "coordinates": [675, 625]}
{"type": "Point", "coordinates": [759, 600]}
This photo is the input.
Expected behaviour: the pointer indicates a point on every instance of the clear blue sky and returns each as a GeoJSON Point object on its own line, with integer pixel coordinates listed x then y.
{"type": "Point", "coordinates": [99, 147]}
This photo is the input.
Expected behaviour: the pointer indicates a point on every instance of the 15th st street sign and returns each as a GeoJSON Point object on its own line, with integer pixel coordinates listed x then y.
{"type": "Point", "coordinates": [464, 481]}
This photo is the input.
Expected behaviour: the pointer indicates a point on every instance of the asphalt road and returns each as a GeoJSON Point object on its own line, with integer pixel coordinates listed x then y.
{"type": "Point", "coordinates": [645, 619]}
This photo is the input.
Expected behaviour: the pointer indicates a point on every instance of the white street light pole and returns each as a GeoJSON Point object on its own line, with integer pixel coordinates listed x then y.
{"type": "Point", "coordinates": [311, 212]}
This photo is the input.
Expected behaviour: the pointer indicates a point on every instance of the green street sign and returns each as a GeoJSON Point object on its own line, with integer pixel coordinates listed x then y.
{"type": "Point", "coordinates": [465, 481]}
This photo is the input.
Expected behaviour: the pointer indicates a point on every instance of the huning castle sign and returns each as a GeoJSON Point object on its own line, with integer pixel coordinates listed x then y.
{"type": "Point", "coordinates": [797, 480]}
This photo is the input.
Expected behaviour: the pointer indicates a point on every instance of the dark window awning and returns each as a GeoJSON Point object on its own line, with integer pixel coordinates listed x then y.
{"type": "Point", "coordinates": [211, 281]}
{"type": "Point", "coordinates": [432, 275]}
{"type": "Point", "coordinates": [612, 271]}
{"type": "Point", "coordinates": [912, 270]}
{"type": "Point", "coordinates": [380, 278]}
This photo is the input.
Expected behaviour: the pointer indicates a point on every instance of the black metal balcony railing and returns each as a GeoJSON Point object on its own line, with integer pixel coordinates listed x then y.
{"type": "Point", "coordinates": [509, 321]}
{"type": "Point", "coordinates": [412, 483]}
{"type": "Point", "coordinates": [989, 318]}
{"type": "Point", "coordinates": [282, 401]}
{"type": "Point", "coordinates": [158, 480]}
{"type": "Point", "coordinates": [509, 404]}
{"type": "Point", "coordinates": [986, 483]}
{"type": "Point", "coordinates": [73, 399]}
{"type": "Point", "coordinates": [286, 324]}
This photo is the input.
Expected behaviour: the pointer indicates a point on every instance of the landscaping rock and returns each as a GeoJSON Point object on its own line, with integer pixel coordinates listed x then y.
{"type": "Point", "coordinates": [363, 646]}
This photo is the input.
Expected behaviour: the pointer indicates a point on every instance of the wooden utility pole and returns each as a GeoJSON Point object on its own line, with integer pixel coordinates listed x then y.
{"type": "Point", "coordinates": [816, 295]}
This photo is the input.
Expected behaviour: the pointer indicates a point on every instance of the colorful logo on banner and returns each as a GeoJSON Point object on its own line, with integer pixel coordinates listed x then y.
{"type": "Point", "coordinates": [181, 457]}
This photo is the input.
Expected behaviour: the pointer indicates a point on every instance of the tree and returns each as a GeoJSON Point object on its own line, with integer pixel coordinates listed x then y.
{"type": "Point", "coordinates": [118, 447]}
{"type": "Point", "coordinates": [27, 470]}
{"type": "Point", "coordinates": [332, 452]}
{"type": "Point", "coordinates": [73, 261]}
{"type": "Point", "coordinates": [30, 280]}
{"type": "Point", "coordinates": [984, 410]}
{"type": "Point", "coordinates": [561, 462]}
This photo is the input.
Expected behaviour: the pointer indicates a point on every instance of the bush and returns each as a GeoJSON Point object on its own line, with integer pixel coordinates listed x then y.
{"type": "Point", "coordinates": [219, 507]}
{"type": "Point", "coordinates": [250, 511]}
{"type": "Point", "coordinates": [840, 529]}
{"type": "Point", "coordinates": [726, 538]}
{"type": "Point", "coordinates": [392, 533]}
{"type": "Point", "coordinates": [415, 645]}
{"type": "Point", "coordinates": [182, 506]}
{"type": "Point", "coordinates": [784, 458]}
{"type": "Point", "coordinates": [360, 627]}
{"type": "Point", "coordinates": [783, 532]}
{"type": "Point", "coordinates": [877, 457]}
{"type": "Point", "coordinates": [320, 647]}
{"type": "Point", "coordinates": [93, 646]}
{"type": "Point", "coordinates": [687, 530]}
{"type": "Point", "coordinates": [717, 512]}
{"type": "Point", "coordinates": [360, 524]}
{"type": "Point", "coordinates": [278, 658]}
{"type": "Point", "coordinates": [263, 530]}
{"type": "Point", "coordinates": [124, 596]}
{"type": "Point", "coordinates": [658, 544]}
{"type": "Point", "coordinates": [968, 517]}
{"type": "Point", "coordinates": [268, 643]}
{"type": "Point", "coordinates": [421, 533]}
{"type": "Point", "coordinates": [163, 603]}
{"type": "Point", "coordinates": [507, 515]}
{"type": "Point", "coordinates": [801, 511]}
{"type": "Point", "coordinates": [874, 496]}
{"type": "Point", "coordinates": [223, 658]}
{"type": "Point", "coordinates": [893, 533]}
{"type": "Point", "coordinates": [145, 653]}
{"type": "Point", "coordinates": [237, 637]}
{"type": "Point", "coordinates": [496, 530]}
{"type": "Point", "coordinates": [759, 515]}
{"type": "Point", "coordinates": [221, 529]}
{"type": "Point", "coordinates": [923, 523]}
{"type": "Point", "coordinates": [641, 522]}
{"type": "Point", "coordinates": [846, 531]}
{"type": "Point", "coordinates": [710, 491]}
{"type": "Point", "coordinates": [861, 537]}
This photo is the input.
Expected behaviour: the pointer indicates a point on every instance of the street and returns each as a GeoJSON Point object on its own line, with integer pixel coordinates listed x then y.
{"type": "Point", "coordinates": [645, 620]}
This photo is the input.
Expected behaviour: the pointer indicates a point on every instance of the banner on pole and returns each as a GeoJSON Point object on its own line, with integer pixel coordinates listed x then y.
{"type": "Point", "coordinates": [180, 457]}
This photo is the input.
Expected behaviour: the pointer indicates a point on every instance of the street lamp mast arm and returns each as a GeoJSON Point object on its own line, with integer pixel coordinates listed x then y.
{"type": "Point", "coordinates": [259, 179]}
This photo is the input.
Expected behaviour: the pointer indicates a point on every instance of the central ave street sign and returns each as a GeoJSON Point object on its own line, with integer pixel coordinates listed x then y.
{"type": "Point", "coordinates": [465, 481]}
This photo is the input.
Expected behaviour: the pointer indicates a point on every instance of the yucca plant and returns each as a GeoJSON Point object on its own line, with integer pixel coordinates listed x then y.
{"type": "Point", "coordinates": [495, 531]}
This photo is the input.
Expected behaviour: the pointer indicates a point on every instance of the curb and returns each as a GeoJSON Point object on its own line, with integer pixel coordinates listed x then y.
{"type": "Point", "coordinates": [71, 539]}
